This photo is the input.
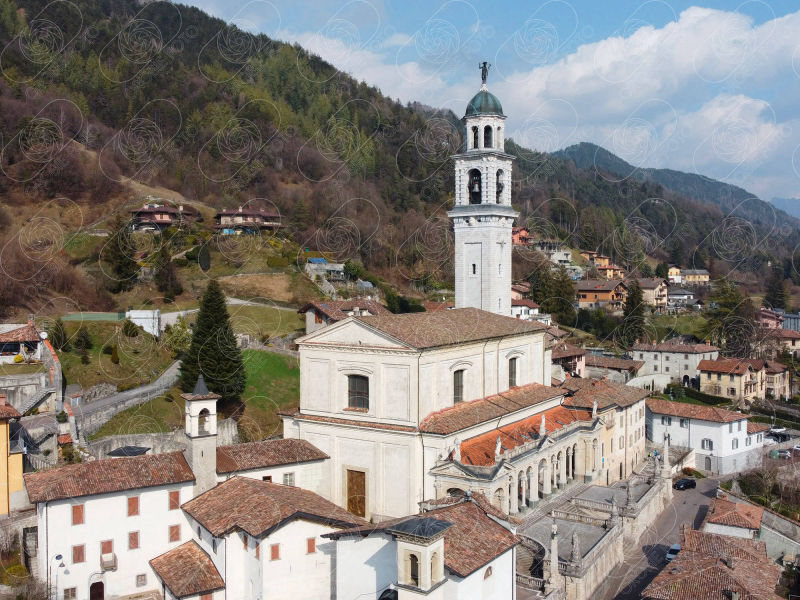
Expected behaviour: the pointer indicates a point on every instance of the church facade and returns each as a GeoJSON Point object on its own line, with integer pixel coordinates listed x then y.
{"type": "Point", "coordinates": [420, 406]}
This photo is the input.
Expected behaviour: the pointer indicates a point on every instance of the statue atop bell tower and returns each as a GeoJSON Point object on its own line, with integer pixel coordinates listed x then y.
{"type": "Point", "coordinates": [482, 215]}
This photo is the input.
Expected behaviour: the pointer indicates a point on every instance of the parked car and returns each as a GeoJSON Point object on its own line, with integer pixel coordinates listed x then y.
{"type": "Point", "coordinates": [777, 429]}
{"type": "Point", "coordinates": [786, 454]}
{"type": "Point", "coordinates": [769, 440]}
{"type": "Point", "coordinates": [796, 449]}
{"type": "Point", "coordinates": [778, 437]}
{"type": "Point", "coordinates": [673, 552]}
{"type": "Point", "coordinates": [684, 484]}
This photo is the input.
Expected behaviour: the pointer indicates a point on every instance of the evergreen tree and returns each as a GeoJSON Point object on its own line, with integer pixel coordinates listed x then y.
{"type": "Point", "coordinates": [662, 270]}
{"type": "Point", "coordinates": [777, 294]}
{"type": "Point", "coordinates": [166, 278]}
{"type": "Point", "coordinates": [645, 270]}
{"type": "Point", "coordinates": [118, 253]}
{"type": "Point", "coordinates": [560, 297]}
{"type": "Point", "coordinates": [301, 218]}
{"type": "Point", "coordinates": [213, 351]}
{"type": "Point", "coordinates": [58, 336]}
{"type": "Point", "coordinates": [633, 320]}
{"type": "Point", "coordinates": [83, 341]}
{"type": "Point", "coordinates": [730, 320]}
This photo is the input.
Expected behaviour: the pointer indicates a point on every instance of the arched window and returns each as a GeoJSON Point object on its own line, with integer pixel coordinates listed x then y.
{"type": "Point", "coordinates": [413, 570]}
{"type": "Point", "coordinates": [458, 386]}
{"type": "Point", "coordinates": [202, 422]}
{"type": "Point", "coordinates": [474, 186]}
{"type": "Point", "coordinates": [499, 138]}
{"type": "Point", "coordinates": [499, 185]}
{"type": "Point", "coordinates": [512, 372]}
{"type": "Point", "coordinates": [487, 136]}
{"type": "Point", "coordinates": [474, 136]}
{"type": "Point", "coordinates": [358, 392]}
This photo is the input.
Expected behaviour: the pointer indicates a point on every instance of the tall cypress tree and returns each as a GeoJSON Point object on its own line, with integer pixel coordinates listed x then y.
{"type": "Point", "coordinates": [633, 320]}
{"type": "Point", "coordinates": [118, 252]}
{"type": "Point", "coordinates": [213, 352]}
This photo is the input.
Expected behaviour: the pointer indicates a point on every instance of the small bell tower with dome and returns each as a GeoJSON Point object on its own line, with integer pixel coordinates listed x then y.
{"type": "Point", "coordinates": [482, 215]}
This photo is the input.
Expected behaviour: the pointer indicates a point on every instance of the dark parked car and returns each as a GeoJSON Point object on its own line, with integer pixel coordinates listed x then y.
{"type": "Point", "coordinates": [673, 552]}
{"type": "Point", "coordinates": [684, 484]}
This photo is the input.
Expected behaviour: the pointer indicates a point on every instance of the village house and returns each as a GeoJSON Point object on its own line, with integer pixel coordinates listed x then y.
{"type": "Point", "coordinates": [674, 275]}
{"type": "Point", "coordinates": [596, 259]}
{"type": "Point", "coordinates": [611, 271]}
{"type": "Point", "coordinates": [741, 379]}
{"type": "Point", "coordinates": [679, 361]}
{"type": "Point", "coordinates": [695, 277]}
{"type": "Point", "coordinates": [601, 293]}
{"type": "Point", "coordinates": [555, 251]}
{"type": "Point", "coordinates": [528, 310]}
{"type": "Point", "coordinates": [319, 268]}
{"type": "Point", "coordinates": [723, 440]}
{"type": "Point", "coordinates": [619, 370]}
{"type": "Point", "coordinates": [157, 217]}
{"type": "Point", "coordinates": [769, 319]}
{"type": "Point", "coordinates": [25, 341]}
{"type": "Point", "coordinates": [733, 518]}
{"type": "Point", "coordinates": [246, 220]}
{"type": "Point", "coordinates": [568, 359]}
{"type": "Point", "coordinates": [681, 298]}
{"type": "Point", "coordinates": [716, 567]}
{"type": "Point", "coordinates": [520, 290]}
{"type": "Point", "coordinates": [779, 340]}
{"type": "Point", "coordinates": [654, 292]}
{"type": "Point", "coordinates": [320, 313]}
{"type": "Point", "coordinates": [520, 236]}
{"type": "Point", "coordinates": [778, 380]}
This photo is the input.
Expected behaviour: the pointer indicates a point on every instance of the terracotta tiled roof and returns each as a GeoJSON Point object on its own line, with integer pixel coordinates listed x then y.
{"type": "Point", "coordinates": [431, 305]}
{"type": "Point", "coordinates": [712, 566]}
{"type": "Point", "coordinates": [693, 411]}
{"type": "Point", "coordinates": [267, 453]}
{"type": "Point", "coordinates": [607, 393]}
{"type": "Point", "coordinates": [8, 412]}
{"type": "Point", "coordinates": [448, 327]}
{"type": "Point", "coordinates": [735, 514]}
{"type": "Point", "coordinates": [773, 367]}
{"type": "Point", "coordinates": [108, 475]}
{"type": "Point", "coordinates": [651, 283]}
{"type": "Point", "coordinates": [473, 540]}
{"type": "Point", "coordinates": [480, 450]}
{"type": "Point", "coordinates": [756, 427]}
{"type": "Point", "coordinates": [618, 364]}
{"type": "Point", "coordinates": [337, 310]}
{"type": "Point", "coordinates": [246, 211]}
{"type": "Point", "coordinates": [730, 366]}
{"type": "Point", "coordinates": [675, 347]}
{"type": "Point", "coordinates": [556, 332]}
{"type": "Point", "coordinates": [467, 414]}
{"type": "Point", "coordinates": [187, 571]}
{"type": "Point", "coordinates": [524, 302]}
{"type": "Point", "coordinates": [26, 333]}
{"type": "Point", "coordinates": [564, 350]}
{"type": "Point", "coordinates": [784, 334]}
{"type": "Point", "coordinates": [602, 285]}
{"type": "Point", "coordinates": [64, 438]}
{"type": "Point", "coordinates": [478, 498]}
{"type": "Point", "coordinates": [296, 414]}
{"type": "Point", "coordinates": [521, 286]}
{"type": "Point", "coordinates": [259, 507]}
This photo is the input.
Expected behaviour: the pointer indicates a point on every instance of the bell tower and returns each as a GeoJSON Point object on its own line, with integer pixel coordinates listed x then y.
{"type": "Point", "coordinates": [483, 216]}
{"type": "Point", "coordinates": [201, 434]}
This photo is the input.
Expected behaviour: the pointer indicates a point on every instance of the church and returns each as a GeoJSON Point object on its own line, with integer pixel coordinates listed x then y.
{"type": "Point", "coordinates": [416, 407]}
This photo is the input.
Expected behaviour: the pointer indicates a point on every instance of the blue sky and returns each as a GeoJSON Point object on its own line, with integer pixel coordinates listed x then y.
{"type": "Point", "coordinates": [709, 88]}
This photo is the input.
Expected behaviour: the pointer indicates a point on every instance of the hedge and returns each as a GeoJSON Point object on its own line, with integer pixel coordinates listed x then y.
{"type": "Point", "coordinates": [698, 395]}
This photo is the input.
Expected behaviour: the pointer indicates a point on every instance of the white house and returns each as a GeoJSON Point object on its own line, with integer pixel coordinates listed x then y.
{"type": "Point", "coordinates": [528, 310]}
{"type": "Point", "coordinates": [736, 519]}
{"type": "Point", "coordinates": [101, 522]}
{"type": "Point", "coordinates": [679, 361]}
{"type": "Point", "coordinates": [25, 341]}
{"type": "Point", "coordinates": [723, 440]}
{"type": "Point", "coordinates": [457, 551]}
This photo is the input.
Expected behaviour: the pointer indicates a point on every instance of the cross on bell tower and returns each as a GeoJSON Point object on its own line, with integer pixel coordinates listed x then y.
{"type": "Point", "coordinates": [482, 216]}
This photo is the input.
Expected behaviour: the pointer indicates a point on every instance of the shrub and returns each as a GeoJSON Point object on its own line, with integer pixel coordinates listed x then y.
{"type": "Point", "coordinates": [18, 358]}
{"type": "Point", "coordinates": [107, 349]}
{"type": "Point", "coordinates": [277, 261]}
{"type": "Point", "coordinates": [83, 341]}
{"type": "Point", "coordinates": [114, 355]}
{"type": "Point", "coordinates": [62, 417]}
{"type": "Point", "coordinates": [16, 574]}
{"type": "Point", "coordinates": [58, 336]}
{"type": "Point", "coordinates": [727, 485]}
{"type": "Point", "coordinates": [181, 262]}
{"type": "Point", "coordinates": [129, 328]}
{"type": "Point", "coordinates": [84, 357]}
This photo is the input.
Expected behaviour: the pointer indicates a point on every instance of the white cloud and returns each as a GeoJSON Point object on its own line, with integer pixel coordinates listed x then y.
{"type": "Point", "coordinates": [396, 39]}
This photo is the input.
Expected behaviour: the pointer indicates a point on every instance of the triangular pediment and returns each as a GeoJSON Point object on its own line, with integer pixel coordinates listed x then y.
{"type": "Point", "coordinates": [352, 332]}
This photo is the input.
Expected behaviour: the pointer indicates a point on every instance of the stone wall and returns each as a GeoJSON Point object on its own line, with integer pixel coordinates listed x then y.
{"type": "Point", "coordinates": [18, 388]}
{"type": "Point", "coordinates": [160, 443]}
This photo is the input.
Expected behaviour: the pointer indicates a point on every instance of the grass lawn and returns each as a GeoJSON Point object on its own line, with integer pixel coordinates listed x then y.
{"type": "Point", "coordinates": [20, 368]}
{"type": "Point", "coordinates": [158, 415]}
{"type": "Point", "coordinates": [273, 384]}
{"type": "Point", "coordinates": [687, 324]}
{"type": "Point", "coordinates": [141, 359]}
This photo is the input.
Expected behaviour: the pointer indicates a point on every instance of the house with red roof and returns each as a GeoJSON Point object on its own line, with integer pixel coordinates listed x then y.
{"type": "Point", "coordinates": [25, 341]}
{"type": "Point", "coordinates": [742, 380]}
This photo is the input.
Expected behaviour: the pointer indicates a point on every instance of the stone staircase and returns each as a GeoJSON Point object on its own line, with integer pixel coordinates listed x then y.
{"type": "Point", "coordinates": [548, 505]}
{"type": "Point", "coordinates": [36, 399]}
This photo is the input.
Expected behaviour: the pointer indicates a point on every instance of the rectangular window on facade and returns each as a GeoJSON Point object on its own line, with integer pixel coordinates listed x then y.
{"type": "Point", "coordinates": [78, 554]}
{"type": "Point", "coordinates": [358, 392]}
{"type": "Point", "coordinates": [458, 386]}
{"type": "Point", "coordinates": [275, 552]}
{"type": "Point", "coordinates": [288, 479]}
{"type": "Point", "coordinates": [77, 514]}
{"type": "Point", "coordinates": [258, 549]}
{"type": "Point", "coordinates": [512, 372]}
{"type": "Point", "coordinates": [141, 580]}
{"type": "Point", "coordinates": [748, 440]}
{"type": "Point", "coordinates": [174, 533]}
{"type": "Point", "coordinates": [731, 378]}
{"type": "Point", "coordinates": [719, 377]}
{"type": "Point", "coordinates": [655, 367]}
{"type": "Point", "coordinates": [730, 427]}
{"type": "Point", "coordinates": [734, 443]}
{"type": "Point", "coordinates": [133, 506]}
{"type": "Point", "coordinates": [740, 425]}
{"type": "Point", "coordinates": [311, 545]}
{"type": "Point", "coordinates": [267, 478]}
{"type": "Point", "coordinates": [70, 593]}
{"type": "Point", "coordinates": [133, 540]}
{"type": "Point", "coordinates": [666, 369]}
{"type": "Point", "coordinates": [174, 500]}
{"type": "Point", "coordinates": [684, 423]}
{"type": "Point", "coordinates": [206, 596]}
{"type": "Point", "coordinates": [107, 547]}
{"type": "Point", "coordinates": [685, 356]}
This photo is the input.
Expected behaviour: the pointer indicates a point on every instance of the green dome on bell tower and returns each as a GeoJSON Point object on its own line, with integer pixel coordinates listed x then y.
{"type": "Point", "coordinates": [484, 103]}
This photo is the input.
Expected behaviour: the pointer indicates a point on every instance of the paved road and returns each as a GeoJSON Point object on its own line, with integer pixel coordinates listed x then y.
{"type": "Point", "coordinates": [644, 561]}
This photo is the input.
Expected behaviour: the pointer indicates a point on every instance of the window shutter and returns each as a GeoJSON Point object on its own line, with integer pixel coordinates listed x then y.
{"type": "Point", "coordinates": [78, 554]}
{"type": "Point", "coordinates": [174, 500]}
{"type": "Point", "coordinates": [107, 547]}
{"type": "Point", "coordinates": [174, 533]}
{"type": "Point", "coordinates": [133, 506]}
{"type": "Point", "coordinates": [275, 552]}
{"type": "Point", "coordinates": [77, 514]}
{"type": "Point", "coordinates": [311, 545]}
{"type": "Point", "coordinates": [133, 540]}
